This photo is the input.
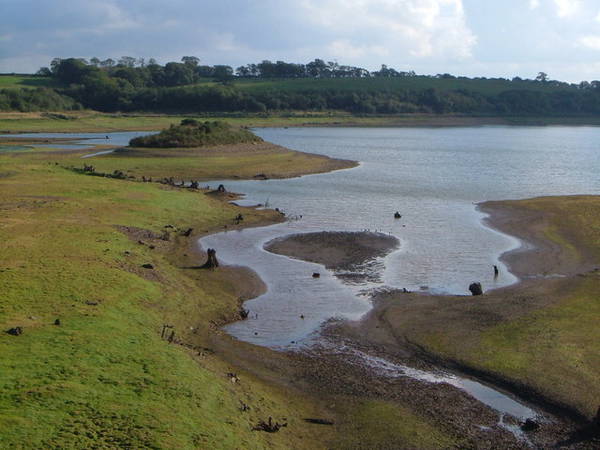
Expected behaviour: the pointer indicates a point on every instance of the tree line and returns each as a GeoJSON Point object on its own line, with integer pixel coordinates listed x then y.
{"type": "Point", "coordinates": [131, 84]}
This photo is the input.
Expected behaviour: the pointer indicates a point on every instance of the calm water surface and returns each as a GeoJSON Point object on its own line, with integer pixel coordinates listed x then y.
{"type": "Point", "coordinates": [433, 177]}
{"type": "Point", "coordinates": [83, 140]}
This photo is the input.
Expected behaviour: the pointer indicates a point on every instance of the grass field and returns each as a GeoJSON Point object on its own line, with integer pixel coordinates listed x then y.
{"type": "Point", "coordinates": [245, 161]}
{"type": "Point", "coordinates": [418, 83]}
{"type": "Point", "coordinates": [25, 81]}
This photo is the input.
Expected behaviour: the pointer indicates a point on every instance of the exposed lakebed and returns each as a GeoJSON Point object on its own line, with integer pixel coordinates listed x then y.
{"type": "Point", "coordinates": [434, 177]}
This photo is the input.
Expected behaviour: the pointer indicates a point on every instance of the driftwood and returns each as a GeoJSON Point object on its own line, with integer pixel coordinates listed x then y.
{"type": "Point", "coordinates": [269, 426]}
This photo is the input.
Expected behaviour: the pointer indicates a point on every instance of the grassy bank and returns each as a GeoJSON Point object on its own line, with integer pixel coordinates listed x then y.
{"type": "Point", "coordinates": [103, 375]}
{"type": "Point", "coordinates": [97, 122]}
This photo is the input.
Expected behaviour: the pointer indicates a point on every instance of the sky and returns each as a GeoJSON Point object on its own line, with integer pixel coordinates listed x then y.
{"type": "Point", "coordinates": [491, 38]}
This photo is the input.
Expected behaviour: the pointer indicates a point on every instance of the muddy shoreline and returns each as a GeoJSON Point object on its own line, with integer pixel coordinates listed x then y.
{"type": "Point", "coordinates": [331, 376]}
{"type": "Point", "coordinates": [538, 257]}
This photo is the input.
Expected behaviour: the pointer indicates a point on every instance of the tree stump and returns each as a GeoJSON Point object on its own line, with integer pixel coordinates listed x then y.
{"type": "Point", "coordinates": [211, 262]}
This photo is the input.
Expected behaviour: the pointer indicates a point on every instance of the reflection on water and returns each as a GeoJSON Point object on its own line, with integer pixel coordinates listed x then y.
{"type": "Point", "coordinates": [434, 178]}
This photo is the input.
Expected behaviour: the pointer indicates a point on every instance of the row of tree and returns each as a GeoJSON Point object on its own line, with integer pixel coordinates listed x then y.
{"type": "Point", "coordinates": [149, 73]}
{"type": "Point", "coordinates": [133, 85]}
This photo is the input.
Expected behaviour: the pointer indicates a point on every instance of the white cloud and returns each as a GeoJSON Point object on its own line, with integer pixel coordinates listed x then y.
{"type": "Point", "coordinates": [591, 42]}
{"type": "Point", "coordinates": [567, 8]}
{"type": "Point", "coordinates": [346, 51]}
{"type": "Point", "coordinates": [420, 28]}
{"type": "Point", "coordinates": [534, 4]}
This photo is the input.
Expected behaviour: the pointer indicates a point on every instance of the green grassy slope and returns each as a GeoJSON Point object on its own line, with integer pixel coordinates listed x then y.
{"type": "Point", "coordinates": [25, 81]}
{"type": "Point", "coordinates": [103, 377]}
{"type": "Point", "coordinates": [488, 86]}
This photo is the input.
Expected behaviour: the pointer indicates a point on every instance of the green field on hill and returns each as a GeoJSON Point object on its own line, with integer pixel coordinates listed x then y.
{"type": "Point", "coordinates": [25, 81]}
{"type": "Point", "coordinates": [483, 86]}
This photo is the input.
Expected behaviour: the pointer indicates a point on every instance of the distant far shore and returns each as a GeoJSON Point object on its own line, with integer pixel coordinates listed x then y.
{"type": "Point", "coordinates": [92, 121]}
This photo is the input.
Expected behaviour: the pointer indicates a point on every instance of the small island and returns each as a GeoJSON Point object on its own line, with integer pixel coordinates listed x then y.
{"type": "Point", "coordinates": [336, 250]}
{"type": "Point", "coordinates": [194, 133]}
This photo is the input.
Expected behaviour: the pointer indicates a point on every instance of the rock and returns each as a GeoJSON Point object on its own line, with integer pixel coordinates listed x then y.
{"type": "Point", "coordinates": [188, 232]}
{"type": "Point", "coordinates": [16, 331]}
{"type": "Point", "coordinates": [91, 303]}
{"type": "Point", "coordinates": [147, 266]}
{"type": "Point", "coordinates": [244, 313]}
{"type": "Point", "coordinates": [476, 288]}
{"type": "Point", "coordinates": [57, 322]}
{"type": "Point", "coordinates": [233, 377]}
{"type": "Point", "coordinates": [316, 275]}
{"type": "Point", "coordinates": [530, 425]}
{"type": "Point", "coordinates": [397, 215]}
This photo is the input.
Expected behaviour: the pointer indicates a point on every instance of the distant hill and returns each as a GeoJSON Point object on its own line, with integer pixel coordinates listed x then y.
{"type": "Point", "coordinates": [278, 87]}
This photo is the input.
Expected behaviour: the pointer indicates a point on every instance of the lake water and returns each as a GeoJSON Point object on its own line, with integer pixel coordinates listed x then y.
{"type": "Point", "coordinates": [82, 140]}
{"type": "Point", "coordinates": [433, 177]}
